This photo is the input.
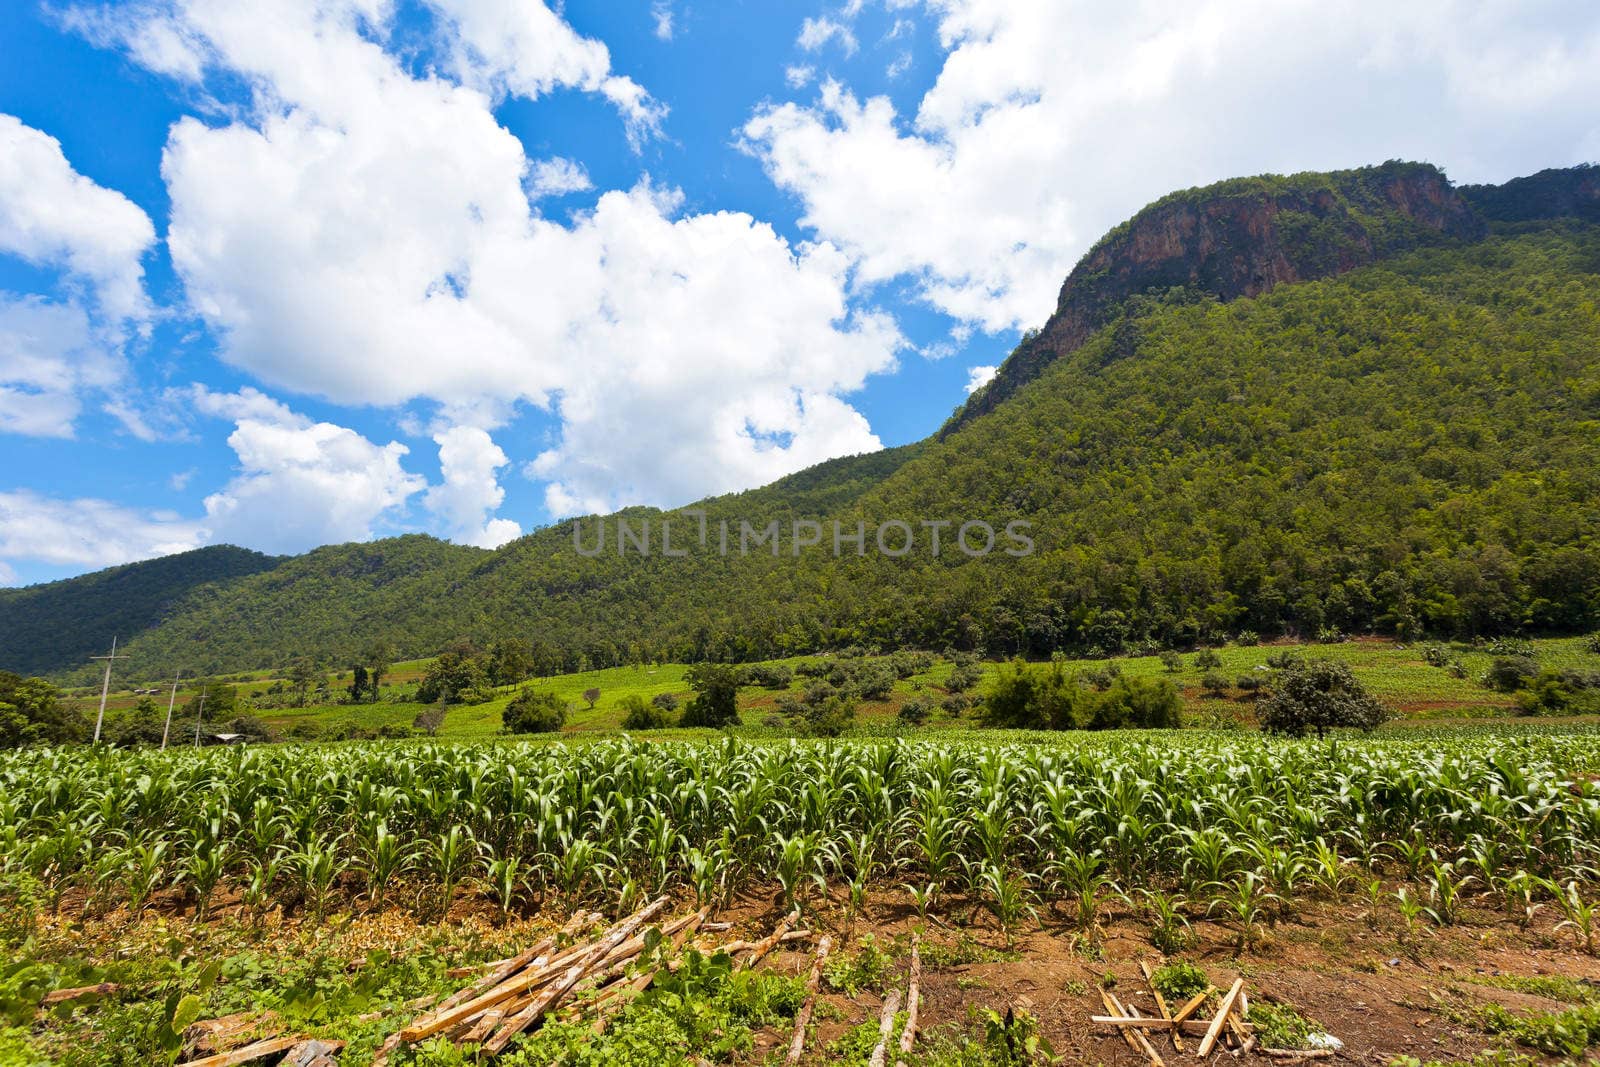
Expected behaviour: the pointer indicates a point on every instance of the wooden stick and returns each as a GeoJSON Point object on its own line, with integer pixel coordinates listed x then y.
{"type": "Point", "coordinates": [256, 1051]}
{"type": "Point", "coordinates": [1291, 1055]}
{"type": "Point", "coordinates": [1193, 1005]}
{"type": "Point", "coordinates": [1188, 1026]}
{"type": "Point", "coordinates": [813, 983]}
{"type": "Point", "coordinates": [880, 1054]}
{"type": "Point", "coordinates": [908, 1036]}
{"type": "Point", "coordinates": [1138, 1036]}
{"type": "Point", "coordinates": [766, 944]}
{"type": "Point", "coordinates": [1161, 1004]}
{"type": "Point", "coordinates": [313, 1052]}
{"type": "Point", "coordinates": [504, 969]}
{"type": "Point", "coordinates": [1125, 1031]}
{"type": "Point", "coordinates": [733, 948]}
{"type": "Point", "coordinates": [628, 990]}
{"type": "Point", "coordinates": [61, 996]}
{"type": "Point", "coordinates": [1210, 1040]}
{"type": "Point", "coordinates": [446, 1017]}
{"type": "Point", "coordinates": [542, 1003]}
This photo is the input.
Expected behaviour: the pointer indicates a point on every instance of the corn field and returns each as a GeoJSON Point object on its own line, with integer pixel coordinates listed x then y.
{"type": "Point", "coordinates": [1238, 828]}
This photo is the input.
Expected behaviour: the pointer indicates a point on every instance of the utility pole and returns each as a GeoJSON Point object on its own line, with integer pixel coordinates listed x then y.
{"type": "Point", "coordinates": [105, 688]}
{"type": "Point", "coordinates": [167, 729]}
{"type": "Point", "coordinates": [199, 716]}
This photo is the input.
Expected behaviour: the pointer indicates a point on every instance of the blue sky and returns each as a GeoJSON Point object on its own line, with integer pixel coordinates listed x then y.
{"type": "Point", "coordinates": [325, 270]}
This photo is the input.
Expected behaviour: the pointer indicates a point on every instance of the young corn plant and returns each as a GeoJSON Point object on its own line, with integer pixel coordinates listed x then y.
{"type": "Point", "coordinates": [1246, 903]}
{"type": "Point", "coordinates": [1580, 915]}
{"type": "Point", "coordinates": [1008, 895]}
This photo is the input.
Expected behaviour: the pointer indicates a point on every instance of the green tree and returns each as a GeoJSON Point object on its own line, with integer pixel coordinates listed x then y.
{"type": "Point", "coordinates": [534, 713]}
{"type": "Point", "coordinates": [303, 676]}
{"type": "Point", "coordinates": [716, 695]}
{"type": "Point", "coordinates": [32, 712]}
{"type": "Point", "coordinates": [376, 656]}
{"type": "Point", "coordinates": [510, 661]}
{"type": "Point", "coordinates": [1319, 695]}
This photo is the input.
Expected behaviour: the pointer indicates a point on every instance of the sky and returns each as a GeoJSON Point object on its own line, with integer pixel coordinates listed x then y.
{"type": "Point", "coordinates": [314, 271]}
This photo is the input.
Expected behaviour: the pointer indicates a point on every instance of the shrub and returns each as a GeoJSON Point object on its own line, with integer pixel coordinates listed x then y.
{"type": "Point", "coordinates": [965, 674]}
{"type": "Point", "coordinates": [1436, 655]}
{"type": "Point", "coordinates": [641, 714]}
{"type": "Point", "coordinates": [534, 713]}
{"type": "Point", "coordinates": [1507, 674]}
{"type": "Point", "coordinates": [767, 675]}
{"type": "Point", "coordinates": [665, 701]}
{"type": "Point", "coordinates": [1048, 698]}
{"type": "Point", "coordinates": [1207, 659]}
{"type": "Point", "coordinates": [829, 718]}
{"type": "Point", "coordinates": [1319, 695]}
{"type": "Point", "coordinates": [875, 682]}
{"type": "Point", "coordinates": [1592, 643]}
{"type": "Point", "coordinates": [429, 719]}
{"type": "Point", "coordinates": [1249, 683]}
{"type": "Point", "coordinates": [1171, 661]}
{"type": "Point", "coordinates": [1214, 683]}
{"type": "Point", "coordinates": [1511, 646]}
{"type": "Point", "coordinates": [915, 711]}
{"type": "Point", "coordinates": [1247, 638]}
{"type": "Point", "coordinates": [1330, 635]}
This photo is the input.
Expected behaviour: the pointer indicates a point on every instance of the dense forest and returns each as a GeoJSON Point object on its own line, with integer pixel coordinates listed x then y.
{"type": "Point", "coordinates": [1409, 447]}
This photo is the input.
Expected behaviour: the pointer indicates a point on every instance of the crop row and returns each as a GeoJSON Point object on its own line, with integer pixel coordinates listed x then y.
{"type": "Point", "coordinates": [1237, 820]}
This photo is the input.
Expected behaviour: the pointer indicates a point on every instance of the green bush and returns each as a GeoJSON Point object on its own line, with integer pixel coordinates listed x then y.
{"type": "Point", "coordinates": [641, 714]}
{"type": "Point", "coordinates": [534, 713]}
{"type": "Point", "coordinates": [1319, 695]}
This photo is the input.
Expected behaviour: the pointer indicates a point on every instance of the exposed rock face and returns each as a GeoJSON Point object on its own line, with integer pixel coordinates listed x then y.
{"type": "Point", "coordinates": [1237, 239]}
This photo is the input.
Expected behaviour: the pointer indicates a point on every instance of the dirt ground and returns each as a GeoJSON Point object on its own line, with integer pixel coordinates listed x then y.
{"type": "Point", "coordinates": [1382, 996]}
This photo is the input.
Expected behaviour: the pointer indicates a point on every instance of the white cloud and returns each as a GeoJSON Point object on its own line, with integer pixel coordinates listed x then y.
{"type": "Point", "coordinates": [52, 216]}
{"type": "Point", "coordinates": [88, 532]}
{"type": "Point", "coordinates": [179, 480]}
{"type": "Point", "coordinates": [49, 355]}
{"type": "Point", "coordinates": [816, 32]}
{"type": "Point", "coordinates": [469, 461]}
{"type": "Point", "coordinates": [367, 236]}
{"type": "Point", "coordinates": [300, 483]}
{"type": "Point", "coordinates": [8, 574]}
{"type": "Point", "coordinates": [899, 66]}
{"type": "Point", "coordinates": [524, 48]}
{"type": "Point", "coordinates": [661, 13]}
{"type": "Point", "coordinates": [1049, 123]}
{"type": "Point", "coordinates": [798, 77]}
{"type": "Point", "coordinates": [978, 377]}
{"type": "Point", "coordinates": [556, 177]}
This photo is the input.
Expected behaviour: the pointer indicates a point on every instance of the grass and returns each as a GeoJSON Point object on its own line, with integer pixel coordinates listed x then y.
{"type": "Point", "coordinates": [1397, 674]}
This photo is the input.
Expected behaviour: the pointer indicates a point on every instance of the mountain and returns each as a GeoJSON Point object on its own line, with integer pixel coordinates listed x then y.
{"type": "Point", "coordinates": [1363, 400]}
{"type": "Point", "coordinates": [47, 627]}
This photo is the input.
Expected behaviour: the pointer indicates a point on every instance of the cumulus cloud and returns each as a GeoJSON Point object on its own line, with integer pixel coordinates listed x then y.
{"type": "Point", "coordinates": [799, 76]}
{"type": "Point", "coordinates": [300, 483]}
{"type": "Point", "coordinates": [557, 177]}
{"type": "Point", "coordinates": [367, 235]}
{"type": "Point", "coordinates": [816, 32]}
{"type": "Point", "coordinates": [52, 216]}
{"type": "Point", "coordinates": [470, 493]}
{"type": "Point", "coordinates": [50, 354]}
{"type": "Point", "coordinates": [88, 532]}
{"type": "Point", "coordinates": [978, 377]}
{"type": "Point", "coordinates": [1049, 123]}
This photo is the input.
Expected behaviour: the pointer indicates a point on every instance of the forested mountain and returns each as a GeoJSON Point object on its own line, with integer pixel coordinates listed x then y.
{"type": "Point", "coordinates": [46, 627]}
{"type": "Point", "coordinates": [1409, 444]}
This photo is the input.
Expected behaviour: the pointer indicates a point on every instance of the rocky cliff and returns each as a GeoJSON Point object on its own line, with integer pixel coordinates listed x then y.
{"type": "Point", "coordinates": [1241, 238]}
